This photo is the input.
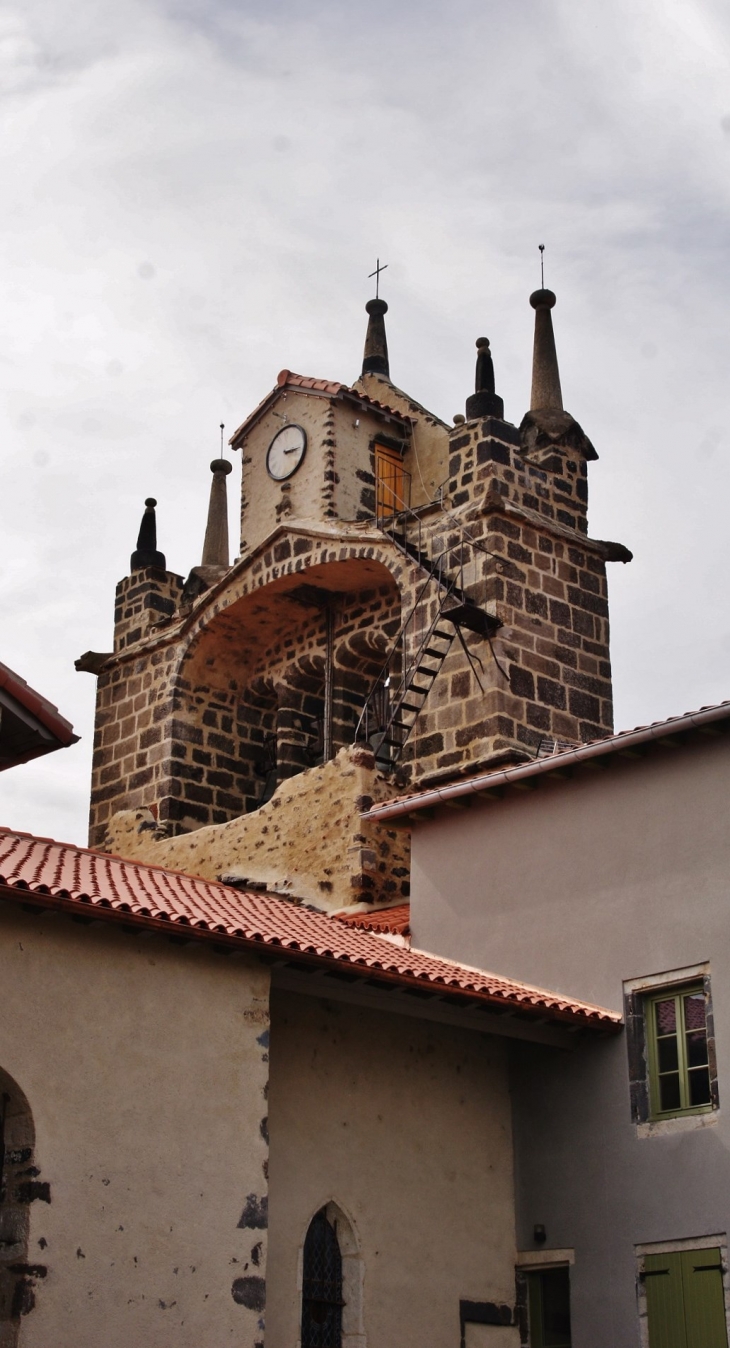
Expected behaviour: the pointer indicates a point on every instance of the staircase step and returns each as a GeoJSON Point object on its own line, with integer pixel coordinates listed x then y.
{"type": "Point", "coordinates": [424, 669]}
{"type": "Point", "coordinates": [408, 706]}
{"type": "Point", "coordinates": [434, 655]}
{"type": "Point", "coordinates": [469, 615]}
{"type": "Point", "coordinates": [443, 636]}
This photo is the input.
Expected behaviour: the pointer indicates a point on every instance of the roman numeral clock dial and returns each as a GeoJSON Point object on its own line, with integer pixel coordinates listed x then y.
{"type": "Point", "coordinates": [286, 451]}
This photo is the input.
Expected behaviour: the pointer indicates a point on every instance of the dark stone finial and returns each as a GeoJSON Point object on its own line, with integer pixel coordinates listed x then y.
{"type": "Point", "coordinates": [215, 546]}
{"type": "Point", "coordinates": [146, 553]}
{"type": "Point", "coordinates": [546, 391]}
{"type": "Point", "coordinates": [547, 429]}
{"type": "Point", "coordinates": [484, 402]}
{"type": "Point", "coordinates": [375, 358]}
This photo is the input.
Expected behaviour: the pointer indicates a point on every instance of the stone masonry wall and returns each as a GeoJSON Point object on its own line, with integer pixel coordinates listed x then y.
{"type": "Point", "coordinates": [548, 671]}
{"type": "Point", "coordinates": [142, 600]}
{"type": "Point", "coordinates": [174, 730]}
{"type": "Point", "coordinates": [309, 841]}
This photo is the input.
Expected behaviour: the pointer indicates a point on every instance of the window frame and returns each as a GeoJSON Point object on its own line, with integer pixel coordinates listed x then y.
{"type": "Point", "coordinates": [677, 994]}
{"type": "Point", "coordinates": [535, 1302]}
{"type": "Point", "coordinates": [638, 994]}
{"type": "Point", "coordinates": [694, 1245]}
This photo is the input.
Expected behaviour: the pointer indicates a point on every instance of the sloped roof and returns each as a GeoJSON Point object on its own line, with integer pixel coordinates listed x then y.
{"type": "Point", "coordinates": [322, 387]}
{"type": "Point", "coordinates": [75, 880]}
{"type": "Point", "coordinates": [32, 725]}
{"type": "Point", "coordinates": [395, 921]}
{"type": "Point", "coordinates": [628, 742]}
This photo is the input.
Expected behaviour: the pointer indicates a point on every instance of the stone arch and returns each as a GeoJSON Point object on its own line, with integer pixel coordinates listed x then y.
{"type": "Point", "coordinates": [261, 651]}
{"type": "Point", "coordinates": [300, 715]}
{"type": "Point", "coordinates": [256, 721]}
{"type": "Point", "coordinates": [360, 658]}
{"type": "Point", "coordinates": [353, 1274]}
{"type": "Point", "coordinates": [17, 1189]}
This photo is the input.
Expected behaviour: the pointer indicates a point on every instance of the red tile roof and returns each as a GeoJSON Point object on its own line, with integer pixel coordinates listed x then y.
{"type": "Point", "coordinates": [396, 920]}
{"type": "Point", "coordinates": [328, 387]}
{"type": "Point", "coordinates": [57, 875]}
{"type": "Point", "coordinates": [626, 741]}
{"type": "Point", "coordinates": [42, 710]}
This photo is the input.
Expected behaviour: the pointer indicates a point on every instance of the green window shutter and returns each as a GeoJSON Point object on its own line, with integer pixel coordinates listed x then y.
{"type": "Point", "coordinates": [665, 1300]}
{"type": "Point", "coordinates": [704, 1299]}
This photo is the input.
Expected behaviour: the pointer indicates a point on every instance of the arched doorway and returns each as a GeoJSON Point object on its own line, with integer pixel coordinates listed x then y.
{"type": "Point", "coordinates": [332, 1283]}
{"type": "Point", "coordinates": [17, 1145]}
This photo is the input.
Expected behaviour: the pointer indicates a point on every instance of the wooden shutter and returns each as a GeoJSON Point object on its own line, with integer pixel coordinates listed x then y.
{"type": "Point", "coordinates": [664, 1301]}
{"type": "Point", "coordinates": [685, 1300]}
{"type": "Point", "coordinates": [390, 480]}
{"type": "Point", "coordinates": [704, 1299]}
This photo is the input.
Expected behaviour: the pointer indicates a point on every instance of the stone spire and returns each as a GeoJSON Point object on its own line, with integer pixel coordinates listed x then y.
{"type": "Point", "coordinates": [375, 358]}
{"type": "Point", "coordinates": [546, 391]}
{"type": "Point", "coordinates": [484, 402]}
{"type": "Point", "coordinates": [547, 428]}
{"type": "Point", "coordinates": [215, 547]}
{"type": "Point", "coordinates": [146, 553]}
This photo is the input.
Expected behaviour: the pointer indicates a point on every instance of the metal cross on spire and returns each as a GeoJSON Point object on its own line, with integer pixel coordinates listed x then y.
{"type": "Point", "coordinates": [541, 246]}
{"type": "Point", "coordinates": [376, 274]}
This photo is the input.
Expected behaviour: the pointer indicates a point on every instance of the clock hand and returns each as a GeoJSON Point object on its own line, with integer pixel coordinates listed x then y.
{"type": "Point", "coordinates": [294, 450]}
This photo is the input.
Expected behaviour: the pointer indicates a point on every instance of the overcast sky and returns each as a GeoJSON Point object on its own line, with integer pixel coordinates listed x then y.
{"type": "Point", "coordinates": [193, 196]}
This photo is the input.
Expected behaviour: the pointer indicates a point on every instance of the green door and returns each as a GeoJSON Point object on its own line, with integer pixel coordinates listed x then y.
{"type": "Point", "coordinates": [685, 1300]}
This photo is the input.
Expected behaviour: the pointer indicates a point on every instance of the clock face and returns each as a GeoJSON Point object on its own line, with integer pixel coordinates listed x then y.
{"type": "Point", "coordinates": [286, 452]}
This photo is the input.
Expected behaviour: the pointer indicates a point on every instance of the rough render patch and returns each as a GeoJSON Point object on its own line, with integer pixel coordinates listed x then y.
{"type": "Point", "coordinates": [309, 840]}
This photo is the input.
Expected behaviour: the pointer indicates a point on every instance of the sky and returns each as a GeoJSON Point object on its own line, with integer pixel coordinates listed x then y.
{"type": "Point", "coordinates": [193, 197]}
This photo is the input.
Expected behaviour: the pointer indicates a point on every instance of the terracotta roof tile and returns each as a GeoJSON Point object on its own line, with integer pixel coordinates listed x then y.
{"type": "Point", "coordinates": [39, 707]}
{"type": "Point", "coordinates": [331, 387]}
{"type": "Point", "coordinates": [59, 875]}
{"type": "Point", "coordinates": [396, 920]}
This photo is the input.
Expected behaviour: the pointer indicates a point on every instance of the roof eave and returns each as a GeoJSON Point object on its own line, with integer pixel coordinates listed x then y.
{"type": "Point", "coordinates": [592, 1019]}
{"type": "Point", "coordinates": [424, 802]}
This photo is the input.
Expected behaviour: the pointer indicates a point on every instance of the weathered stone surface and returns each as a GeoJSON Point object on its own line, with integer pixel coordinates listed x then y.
{"type": "Point", "coordinates": [308, 841]}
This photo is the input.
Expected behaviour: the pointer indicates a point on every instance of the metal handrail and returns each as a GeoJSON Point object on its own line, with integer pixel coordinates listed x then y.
{"type": "Point", "coordinates": [404, 527]}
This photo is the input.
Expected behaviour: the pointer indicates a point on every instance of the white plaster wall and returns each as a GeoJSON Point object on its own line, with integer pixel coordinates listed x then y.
{"type": "Point", "coordinates": [582, 883]}
{"type": "Point", "coordinates": [406, 1126]}
{"type": "Point", "coordinates": [577, 886]}
{"type": "Point", "coordinates": [142, 1065]}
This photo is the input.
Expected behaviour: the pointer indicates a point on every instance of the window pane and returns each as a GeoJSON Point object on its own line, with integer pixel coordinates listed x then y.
{"type": "Point", "coordinates": [669, 1096]}
{"type": "Point", "coordinates": [667, 1053]}
{"type": "Point", "coordinates": [694, 1011]}
{"type": "Point", "coordinates": [697, 1048]}
{"type": "Point", "coordinates": [556, 1308]}
{"type": "Point", "coordinates": [699, 1086]}
{"type": "Point", "coordinates": [666, 1016]}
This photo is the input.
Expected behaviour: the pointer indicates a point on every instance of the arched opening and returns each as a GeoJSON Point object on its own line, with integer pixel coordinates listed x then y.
{"type": "Point", "coordinates": [300, 718]}
{"type": "Point", "coordinates": [272, 685]}
{"type": "Point", "coordinates": [331, 1283]}
{"type": "Point", "coordinates": [17, 1145]}
{"type": "Point", "coordinates": [256, 730]}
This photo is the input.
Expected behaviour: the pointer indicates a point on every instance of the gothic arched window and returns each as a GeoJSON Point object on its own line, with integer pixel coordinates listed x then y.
{"type": "Point", "coordinates": [322, 1285]}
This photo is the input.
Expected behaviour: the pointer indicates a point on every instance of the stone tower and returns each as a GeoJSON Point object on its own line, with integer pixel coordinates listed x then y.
{"type": "Point", "coordinates": [412, 600]}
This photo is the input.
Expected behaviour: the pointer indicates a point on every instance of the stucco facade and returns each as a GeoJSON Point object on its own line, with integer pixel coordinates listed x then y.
{"type": "Point", "coordinates": [175, 1115]}
{"type": "Point", "coordinates": [405, 1125]}
{"type": "Point", "coordinates": [594, 883]}
{"type": "Point", "coordinates": [145, 1070]}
